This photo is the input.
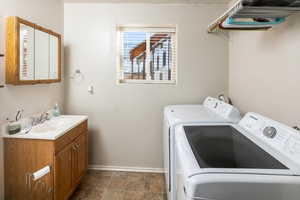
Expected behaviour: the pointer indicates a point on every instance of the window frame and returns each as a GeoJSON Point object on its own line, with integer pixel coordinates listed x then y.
{"type": "Point", "coordinates": [145, 28]}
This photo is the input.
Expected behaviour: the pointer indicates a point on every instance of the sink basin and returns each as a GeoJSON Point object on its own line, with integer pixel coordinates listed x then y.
{"type": "Point", "coordinates": [51, 125]}
{"type": "Point", "coordinates": [51, 129]}
{"type": "Point", "coordinates": [42, 128]}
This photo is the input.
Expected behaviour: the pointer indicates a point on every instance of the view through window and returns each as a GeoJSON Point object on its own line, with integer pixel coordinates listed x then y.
{"type": "Point", "coordinates": [147, 55]}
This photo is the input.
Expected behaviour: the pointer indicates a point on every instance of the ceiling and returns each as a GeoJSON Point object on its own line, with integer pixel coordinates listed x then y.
{"type": "Point", "coordinates": [150, 1]}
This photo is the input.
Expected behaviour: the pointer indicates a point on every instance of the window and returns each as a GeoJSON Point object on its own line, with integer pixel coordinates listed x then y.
{"type": "Point", "coordinates": [146, 55]}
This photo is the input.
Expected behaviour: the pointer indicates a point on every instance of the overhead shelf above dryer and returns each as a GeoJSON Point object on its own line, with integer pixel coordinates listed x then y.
{"type": "Point", "coordinates": [255, 15]}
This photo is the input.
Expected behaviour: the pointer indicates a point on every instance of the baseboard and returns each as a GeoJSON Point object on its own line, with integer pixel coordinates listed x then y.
{"type": "Point", "coordinates": [126, 169]}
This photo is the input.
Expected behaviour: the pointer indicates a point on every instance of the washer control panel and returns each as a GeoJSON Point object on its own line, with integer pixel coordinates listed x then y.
{"type": "Point", "coordinates": [279, 136]}
{"type": "Point", "coordinates": [223, 109]}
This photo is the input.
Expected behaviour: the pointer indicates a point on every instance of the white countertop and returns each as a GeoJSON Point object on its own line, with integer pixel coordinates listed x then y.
{"type": "Point", "coordinates": [52, 129]}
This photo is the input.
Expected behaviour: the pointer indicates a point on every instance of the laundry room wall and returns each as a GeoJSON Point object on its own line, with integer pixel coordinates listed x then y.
{"type": "Point", "coordinates": [125, 121]}
{"type": "Point", "coordinates": [37, 98]}
{"type": "Point", "coordinates": [264, 70]}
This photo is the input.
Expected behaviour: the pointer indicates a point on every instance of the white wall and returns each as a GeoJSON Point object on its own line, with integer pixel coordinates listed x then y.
{"type": "Point", "coordinates": [126, 120]}
{"type": "Point", "coordinates": [149, 1]}
{"type": "Point", "coordinates": [264, 71]}
{"type": "Point", "coordinates": [36, 98]}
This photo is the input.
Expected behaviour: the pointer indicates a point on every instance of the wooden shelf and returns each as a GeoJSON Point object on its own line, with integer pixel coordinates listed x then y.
{"type": "Point", "coordinates": [239, 10]}
{"type": "Point", "coordinates": [215, 25]}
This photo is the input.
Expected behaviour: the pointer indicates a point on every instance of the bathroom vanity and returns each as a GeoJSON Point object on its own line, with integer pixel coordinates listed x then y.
{"type": "Point", "coordinates": [60, 143]}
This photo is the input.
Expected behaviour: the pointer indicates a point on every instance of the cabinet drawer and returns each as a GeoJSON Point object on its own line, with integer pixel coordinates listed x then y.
{"type": "Point", "coordinates": [67, 138]}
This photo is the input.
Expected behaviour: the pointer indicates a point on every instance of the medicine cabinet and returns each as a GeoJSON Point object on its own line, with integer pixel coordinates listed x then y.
{"type": "Point", "coordinates": [33, 53]}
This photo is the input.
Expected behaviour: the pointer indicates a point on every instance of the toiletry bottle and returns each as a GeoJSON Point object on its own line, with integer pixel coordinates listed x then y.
{"type": "Point", "coordinates": [56, 111]}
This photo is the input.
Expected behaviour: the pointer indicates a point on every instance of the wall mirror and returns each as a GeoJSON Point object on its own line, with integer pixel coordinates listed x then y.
{"type": "Point", "coordinates": [33, 53]}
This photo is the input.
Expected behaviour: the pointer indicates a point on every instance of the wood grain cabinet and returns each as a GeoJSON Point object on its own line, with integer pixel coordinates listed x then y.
{"type": "Point", "coordinates": [33, 53]}
{"type": "Point", "coordinates": [67, 157]}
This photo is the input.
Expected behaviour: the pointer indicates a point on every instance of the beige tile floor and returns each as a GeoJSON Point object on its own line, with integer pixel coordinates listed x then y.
{"type": "Point", "coordinates": [106, 185]}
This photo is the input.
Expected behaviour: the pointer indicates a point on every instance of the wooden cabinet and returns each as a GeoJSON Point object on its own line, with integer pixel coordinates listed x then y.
{"type": "Point", "coordinates": [22, 158]}
{"type": "Point", "coordinates": [33, 53]}
{"type": "Point", "coordinates": [79, 158]}
{"type": "Point", "coordinates": [63, 173]}
{"type": "Point", "coordinates": [67, 157]}
{"type": "Point", "coordinates": [74, 157]}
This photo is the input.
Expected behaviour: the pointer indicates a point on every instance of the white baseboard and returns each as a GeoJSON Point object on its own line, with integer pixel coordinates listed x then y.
{"type": "Point", "coordinates": [126, 169]}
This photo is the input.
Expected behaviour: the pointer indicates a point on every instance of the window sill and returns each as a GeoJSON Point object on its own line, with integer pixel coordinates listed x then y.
{"type": "Point", "coordinates": [146, 82]}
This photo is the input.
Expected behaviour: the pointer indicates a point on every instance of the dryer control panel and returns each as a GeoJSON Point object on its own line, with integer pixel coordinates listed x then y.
{"type": "Point", "coordinates": [223, 109]}
{"type": "Point", "coordinates": [279, 136]}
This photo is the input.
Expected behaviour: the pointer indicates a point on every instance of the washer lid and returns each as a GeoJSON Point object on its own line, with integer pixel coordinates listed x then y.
{"type": "Point", "coordinates": [212, 110]}
{"type": "Point", "coordinates": [178, 114]}
{"type": "Point", "coordinates": [262, 145]}
{"type": "Point", "coordinates": [225, 147]}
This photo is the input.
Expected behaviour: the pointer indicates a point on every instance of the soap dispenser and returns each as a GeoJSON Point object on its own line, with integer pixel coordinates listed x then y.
{"type": "Point", "coordinates": [56, 110]}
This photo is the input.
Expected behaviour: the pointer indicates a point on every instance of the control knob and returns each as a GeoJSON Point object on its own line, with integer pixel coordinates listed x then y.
{"type": "Point", "coordinates": [270, 132]}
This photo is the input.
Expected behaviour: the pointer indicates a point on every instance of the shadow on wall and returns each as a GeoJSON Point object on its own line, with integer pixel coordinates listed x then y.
{"type": "Point", "coordinates": [95, 139]}
{"type": "Point", "coordinates": [276, 33]}
{"type": "Point", "coordinates": [67, 51]}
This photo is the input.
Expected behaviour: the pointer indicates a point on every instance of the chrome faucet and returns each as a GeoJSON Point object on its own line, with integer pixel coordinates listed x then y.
{"type": "Point", "coordinates": [39, 120]}
{"type": "Point", "coordinates": [44, 117]}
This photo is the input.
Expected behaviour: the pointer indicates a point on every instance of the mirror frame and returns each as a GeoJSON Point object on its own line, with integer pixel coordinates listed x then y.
{"type": "Point", "coordinates": [12, 55]}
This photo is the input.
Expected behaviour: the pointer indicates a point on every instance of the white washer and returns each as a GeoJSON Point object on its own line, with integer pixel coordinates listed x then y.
{"type": "Point", "coordinates": [257, 159]}
{"type": "Point", "coordinates": [212, 111]}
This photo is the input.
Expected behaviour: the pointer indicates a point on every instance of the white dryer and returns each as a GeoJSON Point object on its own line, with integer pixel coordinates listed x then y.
{"type": "Point", "coordinates": [211, 111]}
{"type": "Point", "coordinates": [257, 159]}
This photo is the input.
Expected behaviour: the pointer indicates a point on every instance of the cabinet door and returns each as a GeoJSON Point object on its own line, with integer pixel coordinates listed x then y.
{"type": "Point", "coordinates": [41, 55]}
{"type": "Point", "coordinates": [80, 157]}
{"type": "Point", "coordinates": [63, 173]}
{"type": "Point", "coordinates": [54, 57]}
{"type": "Point", "coordinates": [21, 158]}
{"type": "Point", "coordinates": [26, 34]}
{"type": "Point", "coordinates": [42, 189]}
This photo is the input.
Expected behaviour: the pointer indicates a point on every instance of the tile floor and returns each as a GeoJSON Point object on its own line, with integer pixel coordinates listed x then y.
{"type": "Point", "coordinates": [106, 185]}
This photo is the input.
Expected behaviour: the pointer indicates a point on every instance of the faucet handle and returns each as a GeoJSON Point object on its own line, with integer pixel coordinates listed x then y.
{"type": "Point", "coordinates": [47, 116]}
{"type": "Point", "coordinates": [33, 121]}
{"type": "Point", "coordinates": [42, 117]}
